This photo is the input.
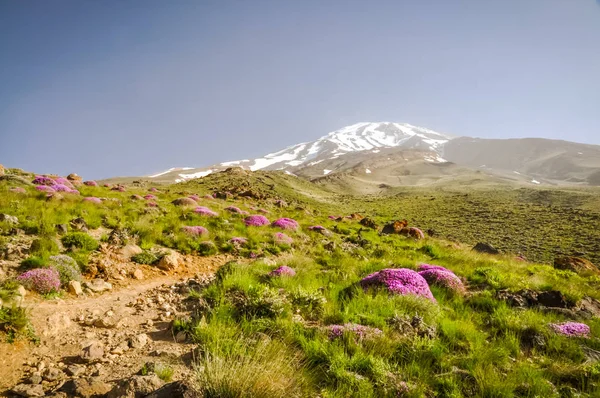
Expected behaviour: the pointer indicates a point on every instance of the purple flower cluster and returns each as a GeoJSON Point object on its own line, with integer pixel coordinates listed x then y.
{"type": "Point", "coordinates": [43, 180]}
{"type": "Point", "coordinates": [41, 280]}
{"type": "Point", "coordinates": [205, 211]}
{"type": "Point", "coordinates": [282, 239]}
{"type": "Point", "coordinates": [285, 223]}
{"type": "Point", "coordinates": [194, 197]}
{"type": "Point", "coordinates": [63, 181]}
{"type": "Point", "coordinates": [333, 217]}
{"type": "Point", "coordinates": [93, 199]}
{"type": "Point", "coordinates": [443, 278]}
{"type": "Point", "coordinates": [284, 270]}
{"type": "Point", "coordinates": [571, 329]}
{"type": "Point", "coordinates": [195, 230]}
{"type": "Point", "coordinates": [359, 331]}
{"type": "Point", "coordinates": [45, 188]}
{"type": "Point", "coordinates": [401, 281]}
{"type": "Point", "coordinates": [426, 267]}
{"type": "Point", "coordinates": [90, 183]}
{"type": "Point", "coordinates": [118, 188]}
{"type": "Point", "coordinates": [233, 209]}
{"type": "Point", "coordinates": [238, 241]}
{"type": "Point", "coordinates": [150, 197]}
{"type": "Point", "coordinates": [256, 221]}
{"type": "Point", "coordinates": [153, 190]}
{"type": "Point", "coordinates": [61, 188]}
{"type": "Point", "coordinates": [18, 190]}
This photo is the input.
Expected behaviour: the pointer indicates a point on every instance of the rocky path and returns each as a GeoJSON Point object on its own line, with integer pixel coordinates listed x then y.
{"type": "Point", "coordinates": [107, 336]}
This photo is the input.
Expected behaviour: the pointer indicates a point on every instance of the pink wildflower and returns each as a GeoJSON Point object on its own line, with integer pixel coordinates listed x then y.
{"type": "Point", "coordinates": [195, 230]}
{"type": "Point", "coordinates": [43, 180]}
{"type": "Point", "coordinates": [41, 280]}
{"type": "Point", "coordinates": [18, 190]}
{"type": "Point", "coordinates": [150, 197]}
{"type": "Point", "coordinates": [45, 188]}
{"type": "Point", "coordinates": [571, 329]}
{"type": "Point", "coordinates": [256, 221]}
{"type": "Point", "coordinates": [90, 183]}
{"type": "Point", "coordinates": [284, 270]}
{"type": "Point", "coordinates": [282, 239]}
{"type": "Point", "coordinates": [401, 281]}
{"type": "Point", "coordinates": [443, 278]}
{"type": "Point", "coordinates": [205, 211]}
{"type": "Point", "coordinates": [234, 209]}
{"type": "Point", "coordinates": [285, 223]}
{"type": "Point", "coordinates": [238, 241]}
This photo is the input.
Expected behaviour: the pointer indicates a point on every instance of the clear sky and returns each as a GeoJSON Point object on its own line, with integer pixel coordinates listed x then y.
{"type": "Point", "coordinates": [106, 88]}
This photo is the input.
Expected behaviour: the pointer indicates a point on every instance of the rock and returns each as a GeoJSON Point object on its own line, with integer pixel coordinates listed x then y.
{"type": "Point", "coordinates": [75, 179]}
{"type": "Point", "coordinates": [121, 348]}
{"type": "Point", "coordinates": [552, 298]}
{"type": "Point", "coordinates": [185, 202]}
{"type": "Point", "coordinates": [394, 227]}
{"type": "Point", "coordinates": [34, 379]}
{"type": "Point", "coordinates": [75, 288]}
{"type": "Point", "coordinates": [7, 218]}
{"type": "Point", "coordinates": [368, 222]}
{"type": "Point", "coordinates": [178, 389]}
{"type": "Point", "coordinates": [129, 251]}
{"type": "Point", "coordinates": [181, 337]}
{"type": "Point", "coordinates": [105, 322]}
{"type": "Point", "coordinates": [86, 388]}
{"type": "Point", "coordinates": [138, 341]}
{"type": "Point", "coordinates": [170, 262]}
{"type": "Point", "coordinates": [56, 324]}
{"type": "Point", "coordinates": [75, 370]}
{"type": "Point", "coordinates": [135, 387]}
{"type": "Point", "coordinates": [62, 229]}
{"type": "Point", "coordinates": [485, 248]}
{"type": "Point", "coordinates": [52, 374]}
{"type": "Point", "coordinates": [79, 224]}
{"type": "Point", "coordinates": [575, 264]}
{"type": "Point", "coordinates": [28, 390]}
{"type": "Point", "coordinates": [98, 285]}
{"type": "Point", "coordinates": [21, 291]}
{"type": "Point", "coordinates": [92, 352]}
{"type": "Point", "coordinates": [138, 274]}
{"type": "Point", "coordinates": [589, 307]}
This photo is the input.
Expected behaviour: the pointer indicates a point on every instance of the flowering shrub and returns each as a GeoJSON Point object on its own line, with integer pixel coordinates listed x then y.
{"type": "Point", "coordinates": [285, 223]}
{"type": "Point", "coordinates": [106, 185]}
{"type": "Point", "coordinates": [571, 329]}
{"type": "Point", "coordinates": [416, 233]}
{"type": "Point", "coordinates": [153, 189]}
{"type": "Point", "coordinates": [256, 221]}
{"type": "Point", "coordinates": [41, 280]}
{"type": "Point", "coordinates": [63, 188]}
{"type": "Point", "coordinates": [195, 230]}
{"type": "Point", "coordinates": [237, 241]}
{"type": "Point", "coordinates": [205, 211]}
{"type": "Point", "coordinates": [426, 267]}
{"type": "Point", "coordinates": [284, 270]}
{"type": "Point", "coordinates": [152, 204]}
{"type": "Point", "coordinates": [43, 180]}
{"type": "Point", "coordinates": [443, 278]}
{"type": "Point", "coordinates": [92, 199]}
{"type": "Point", "coordinates": [67, 268]}
{"type": "Point", "coordinates": [18, 190]}
{"type": "Point", "coordinates": [90, 183]}
{"type": "Point", "coordinates": [359, 331]}
{"type": "Point", "coordinates": [333, 217]}
{"type": "Point", "coordinates": [63, 181]}
{"type": "Point", "coordinates": [401, 281]}
{"type": "Point", "coordinates": [45, 188]}
{"type": "Point", "coordinates": [150, 197]}
{"type": "Point", "coordinates": [282, 239]}
{"type": "Point", "coordinates": [194, 197]}
{"type": "Point", "coordinates": [118, 188]}
{"type": "Point", "coordinates": [209, 197]}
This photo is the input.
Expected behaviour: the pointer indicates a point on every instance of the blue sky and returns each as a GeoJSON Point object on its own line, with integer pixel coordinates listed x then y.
{"type": "Point", "coordinates": [106, 88]}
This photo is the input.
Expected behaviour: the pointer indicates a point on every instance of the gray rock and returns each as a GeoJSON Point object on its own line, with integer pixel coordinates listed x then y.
{"type": "Point", "coordinates": [98, 285]}
{"type": "Point", "coordinates": [92, 352]}
{"type": "Point", "coordinates": [178, 389]}
{"type": "Point", "coordinates": [52, 374]}
{"type": "Point", "coordinates": [138, 341]}
{"type": "Point", "coordinates": [34, 379]}
{"type": "Point", "coordinates": [75, 370]}
{"type": "Point", "coordinates": [135, 387]}
{"type": "Point", "coordinates": [75, 288]}
{"type": "Point", "coordinates": [28, 390]}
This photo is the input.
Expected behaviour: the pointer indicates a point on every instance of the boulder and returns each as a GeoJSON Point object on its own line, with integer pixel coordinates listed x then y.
{"type": "Point", "coordinates": [171, 261]}
{"type": "Point", "coordinates": [75, 288]}
{"type": "Point", "coordinates": [94, 351]}
{"type": "Point", "coordinates": [135, 387]}
{"type": "Point", "coordinates": [52, 374]}
{"type": "Point", "coordinates": [28, 390]}
{"type": "Point", "coordinates": [394, 227]}
{"type": "Point", "coordinates": [178, 389]}
{"type": "Point", "coordinates": [129, 251]}
{"type": "Point", "coordinates": [185, 202]}
{"type": "Point", "coordinates": [7, 218]}
{"type": "Point", "coordinates": [75, 179]}
{"type": "Point", "coordinates": [575, 264]}
{"type": "Point", "coordinates": [86, 387]}
{"type": "Point", "coordinates": [98, 285]}
{"type": "Point", "coordinates": [485, 248]}
{"type": "Point", "coordinates": [138, 274]}
{"type": "Point", "coordinates": [368, 222]}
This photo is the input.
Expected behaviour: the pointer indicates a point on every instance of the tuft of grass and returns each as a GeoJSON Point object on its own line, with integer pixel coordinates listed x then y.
{"type": "Point", "coordinates": [80, 240]}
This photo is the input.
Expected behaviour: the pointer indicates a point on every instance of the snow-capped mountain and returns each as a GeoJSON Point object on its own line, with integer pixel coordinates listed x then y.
{"type": "Point", "coordinates": [358, 137]}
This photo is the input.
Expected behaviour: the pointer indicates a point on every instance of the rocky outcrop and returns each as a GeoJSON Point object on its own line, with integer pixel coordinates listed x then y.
{"type": "Point", "coordinates": [575, 264]}
{"type": "Point", "coordinates": [178, 389]}
{"type": "Point", "coordinates": [485, 248]}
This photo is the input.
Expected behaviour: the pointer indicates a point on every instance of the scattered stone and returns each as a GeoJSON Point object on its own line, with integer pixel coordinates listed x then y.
{"type": "Point", "coordinates": [86, 387]}
{"type": "Point", "coordinates": [575, 264]}
{"type": "Point", "coordinates": [121, 348]}
{"type": "Point", "coordinates": [75, 370]}
{"type": "Point", "coordinates": [98, 285]}
{"type": "Point", "coordinates": [485, 248]}
{"type": "Point", "coordinates": [105, 322]}
{"type": "Point", "coordinates": [92, 352]}
{"type": "Point", "coordinates": [52, 374]}
{"type": "Point", "coordinates": [368, 222]}
{"type": "Point", "coordinates": [129, 251]}
{"type": "Point", "coordinates": [170, 262]}
{"type": "Point", "coordinates": [28, 390]}
{"type": "Point", "coordinates": [178, 389]}
{"type": "Point", "coordinates": [135, 387]}
{"type": "Point", "coordinates": [13, 220]}
{"type": "Point", "coordinates": [138, 274]}
{"type": "Point", "coordinates": [35, 378]}
{"type": "Point", "coordinates": [75, 288]}
{"type": "Point", "coordinates": [138, 341]}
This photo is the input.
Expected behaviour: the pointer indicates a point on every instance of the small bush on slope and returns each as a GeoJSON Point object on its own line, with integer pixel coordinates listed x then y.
{"type": "Point", "coordinates": [80, 240]}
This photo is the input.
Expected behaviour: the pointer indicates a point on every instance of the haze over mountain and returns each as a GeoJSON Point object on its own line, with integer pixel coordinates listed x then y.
{"type": "Point", "coordinates": [402, 154]}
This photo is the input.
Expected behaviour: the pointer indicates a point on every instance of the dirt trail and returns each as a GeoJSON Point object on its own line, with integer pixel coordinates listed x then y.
{"type": "Point", "coordinates": [113, 318]}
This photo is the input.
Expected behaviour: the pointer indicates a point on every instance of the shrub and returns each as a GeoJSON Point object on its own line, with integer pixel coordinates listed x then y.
{"type": "Point", "coordinates": [79, 240]}
{"type": "Point", "coordinates": [92, 199]}
{"type": "Point", "coordinates": [43, 247]}
{"type": "Point", "coordinates": [443, 278]}
{"type": "Point", "coordinates": [284, 270]}
{"type": "Point", "coordinates": [195, 230]}
{"type": "Point", "coordinates": [34, 262]}
{"type": "Point", "coordinates": [90, 183]}
{"type": "Point", "coordinates": [402, 281]}
{"type": "Point", "coordinates": [67, 268]}
{"type": "Point", "coordinates": [282, 239]}
{"type": "Point", "coordinates": [310, 305]}
{"type": "Point", "coordinates": [13, 319]}
{"type": "Point", "coordinates": [207, 248]}
{"type": "Point", "coordinates": [45, 188]}
{"type": "Point", "coordinates": [487, 276]}
{"type": "Point", "coordinates": [571, 329]}
{"type": "Point", "coordinates": [256, 221]}
{"type": "Point", "coordinates": [285, 223]}
{"type": "Point", "coordinates": [205, 211]}
{"type": "Point", "coordinates": [43, 180]}
{"type": "Point", "coordinates": [150, 197]}
{"type": "Point", "coordinates": [145, 257]}
{"type": "Point", "coordinates": [358, 331]}
{"type": "Point", "coordinates": [260, 302]}
{"type": "Point", "coordinates": [238, 241]}
{"type": "Point", "coordinates": [63, 188]}
{"type": "Point", "coordinates": [41, 280]}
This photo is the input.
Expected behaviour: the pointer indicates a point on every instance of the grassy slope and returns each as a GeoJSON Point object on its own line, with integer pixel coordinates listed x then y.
{"type": "Point", "coordinates": [267, 337]}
